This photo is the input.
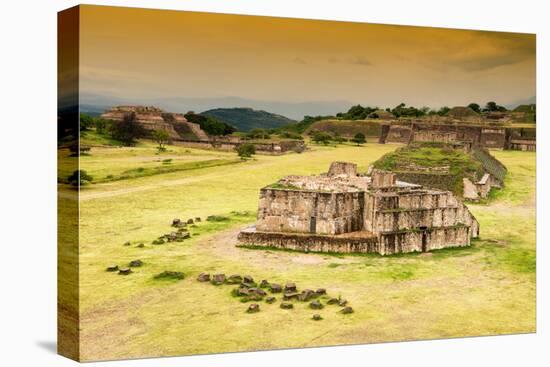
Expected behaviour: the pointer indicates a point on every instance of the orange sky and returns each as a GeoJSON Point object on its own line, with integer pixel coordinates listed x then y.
{"type": "Point", "coordinates": [140, 53]}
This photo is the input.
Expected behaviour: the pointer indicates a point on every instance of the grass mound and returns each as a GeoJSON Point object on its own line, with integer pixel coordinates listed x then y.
{"type": "Point", "coordinates": [435, 165]}
{"type": "Point", "coordinates": [170, 275]}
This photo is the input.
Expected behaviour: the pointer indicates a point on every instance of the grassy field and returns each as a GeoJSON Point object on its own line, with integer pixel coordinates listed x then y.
{"type": "Point", "coordinates": [483, 290]}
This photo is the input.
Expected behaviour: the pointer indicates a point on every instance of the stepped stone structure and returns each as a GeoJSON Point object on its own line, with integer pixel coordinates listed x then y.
{"type": "Point", "coordinates": [154, 118]}
{"type": "Point", "coordinates": [344, 211]}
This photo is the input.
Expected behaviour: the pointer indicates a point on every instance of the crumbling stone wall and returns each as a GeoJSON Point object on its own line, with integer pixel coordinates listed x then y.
{"type": "Point", "coordinates": [342, 168]}
{"type": "Point", "coordinates": [287, 210]}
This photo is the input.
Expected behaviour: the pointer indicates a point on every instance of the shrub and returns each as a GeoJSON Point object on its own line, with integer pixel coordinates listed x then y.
{"type": "Point", "coordinates": [79, 177]}
{"type": "Point", "coordinates": [359, 138]}
{"type": "Point", "coordinates": [246, 150]}
{"type": "Point", "coordinates": [321, 137]}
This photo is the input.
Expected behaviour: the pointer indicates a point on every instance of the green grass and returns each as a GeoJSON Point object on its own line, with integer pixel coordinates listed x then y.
{"type": "Point", "coordinates": [412, 296]}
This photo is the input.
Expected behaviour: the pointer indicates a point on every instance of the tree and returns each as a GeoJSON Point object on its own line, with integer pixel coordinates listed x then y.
{"type": "Point", "coordinates": [493, 107]}
{"type": "Point", "coordinates": [245, 150]}
{"type": "Point", "coordinates": [209, 124]}
{"type": "Point", "coordinates": [86, 122]}
{"type": "Point", "coordinates": [443, 111]}
{"type": "Point", "coordinates": [475, 107]}
{"type": "Point", "coordinates": [359, 138]}
{"type": "Point", "coordinates": [162, 138]}
{"type": "Point", "coordinates": [79, 178]}
{"type": "Point", "coordinates": [258, 134]}
{"type": "Point", "coordinates": [127, 130]}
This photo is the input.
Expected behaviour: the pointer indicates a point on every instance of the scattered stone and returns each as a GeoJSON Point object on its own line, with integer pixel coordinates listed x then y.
{"type": "Point", "coordinates": [218, 279]}
{"type": "Point", "coordinates": [346, 310]}
{"type": "Point", "coordinates": [290, 295]}
{"type": "Point", "coordinates": [321, 291]}
{"type": "Point", "coordinates": [306, 295]}
{"type": "Point", "coordinates": [264, 284]}
{"type": "Point", "coordinates": [177, 275]}
{"type": "Point", "coordinates": [135, 263]}
{"type": "Point", "coordinates": [286, 305]}
{"type": "Point", "coordinates": [316, 305]}
{"type": "Point", "coordinates": [333, 301]}
{"type": "Point", "coordinates": [258, 291]}
{"type": "Point", "coordinates": [234, 279]}
{"type": "Point", "coordinates": [203, 277]}
{"type": "Point", "coordinates": [197, 219]}
{"type": "Point", "coordinates": [189, 221]}
{"type": "Point", "coordinates": [176, 222]}
{"type": "Point", "coordinates": [290, 287]}
{"type": "Point", "coordinates": [270, 300]}
{"type": "Point", "coordinates": [254, 307]}
{"type": "Point", "coordinates": [141, 245]}
{"type": "Point", "coordinates": [248, 285]}
{"type": "Point", "coordinates": [125, 271]}
{"type": "Point", "coordinates": [275, 288]}
{"type": "Point", "coordinates": [127, 243]}
{"type": "Point", "coordinates": [248, 279]}
{"type": "Point", "coordinates": [241, 291]}
{"type": "Point", "coordinates": [112, 268]}
{"type": "Point", "coordinates": [252, 296]}
{"type": "Point", "coordinates": [317, 317]}
{"type": "Point", "coordinates": [342, 302]}
{"type": "Point", "coordinates": [160, 241]}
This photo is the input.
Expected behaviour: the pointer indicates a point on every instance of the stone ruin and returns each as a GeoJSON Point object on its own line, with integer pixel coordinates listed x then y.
{"type": "Point", "coordinates": [153, 118]}
{"type": "Point", "coordinates": [343, 211]}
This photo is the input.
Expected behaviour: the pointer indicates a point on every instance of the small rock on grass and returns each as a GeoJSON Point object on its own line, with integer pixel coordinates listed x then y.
{"type": "Point", "coordinates": [127, 243]}
{"type": "Point", "coordinates": [275, 288]}
{"type": "Point", "coordinates": [125, 271]}
{"type": "Point", "coordinates": [234, 279]}
{"type": "Point", "coordinates": [333, 301]}
{"type": "Point", "coordinates": [316, 305]}
{"type": "Point", "coordinates": [218, 279]}
{"type": "Point", "coordinates": [271, 300]}
{"type": "Point", "coordinates": [203, 277]}
{"type": "Point", "coordinates": [141, 245]}
{"type": "Point", "coordinates": [254, 307]}
{"type": "Point", "coordinates": [346, 310]}
{"type": "Point", "coordinates": [135, 263]}
{"type": "Point", "coordinates": [342, 302]}
{"type": "Point", "coordinates": [264, 284]}
{"type": "Point", "coordinates": [317, 317]}
{"type": "Point", "coordinates": [286, 305]}
{"type": "Point", "coordinates": [321, 291]}
{"type": "Point", "coordinates": [112, 268]}
{"type": "Point", "coordinates": [290, 287]}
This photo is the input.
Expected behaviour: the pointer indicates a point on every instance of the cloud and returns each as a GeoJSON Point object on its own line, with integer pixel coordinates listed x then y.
{"type": "Point", "coordinates": [356, 60]}
{"type": "Point", "coordinates": [360, 60]}
{"type": "Point", "coordinates": [298, 60]}
{"type": "Point", "coordinates": [478, 51]}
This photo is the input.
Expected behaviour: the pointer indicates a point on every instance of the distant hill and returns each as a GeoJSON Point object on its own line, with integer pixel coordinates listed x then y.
{"type": "Point", "coordinates": [246, 119]}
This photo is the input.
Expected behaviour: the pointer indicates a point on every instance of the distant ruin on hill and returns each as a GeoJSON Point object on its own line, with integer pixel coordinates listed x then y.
{"type": "Point", "coordinates": [153, 118]}
{"type": "Point", "coordinates": [183, 132]}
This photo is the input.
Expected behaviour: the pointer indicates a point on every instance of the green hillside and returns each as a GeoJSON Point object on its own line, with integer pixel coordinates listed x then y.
{"type": "Point", "coordinates": [246, 119]}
